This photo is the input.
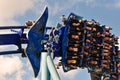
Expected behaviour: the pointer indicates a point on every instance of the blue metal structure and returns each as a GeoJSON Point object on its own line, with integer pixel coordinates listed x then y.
{"type": "Point", "coordinates": [35, 45]}
{"type": "Point", "coordinates": [59, 40]}
{"type": "Point", "coordinates": [15, 39]}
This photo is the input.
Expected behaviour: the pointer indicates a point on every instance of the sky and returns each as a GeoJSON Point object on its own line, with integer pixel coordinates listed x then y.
{"type": "Point", "coordinates": [17, 12]}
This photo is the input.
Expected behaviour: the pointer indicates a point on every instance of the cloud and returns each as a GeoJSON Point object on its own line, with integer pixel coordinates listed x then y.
{"type": "Point", "coordinates": [7, 48]}
{"type": "Point", "coordinates": [39, 5]}
{"type": "Point", "coordinates": [58, 6]}
{"type": "Point", "coordinates": [74, 74]}
{"type": "Point", "coordinates": [88, 2]}
{"type": "Point", "coordinates": [12, 8]}
{"type": "Point", "coordinates": [70, 75]}
{"type": "Point", "coordinates": [35, 79]}
{"type": "Point", "coordinates": [113, 4]}
{"type": "Point", "coordinates": [117, 4]}
{"type": "Point", "coordinates": [11, 67]}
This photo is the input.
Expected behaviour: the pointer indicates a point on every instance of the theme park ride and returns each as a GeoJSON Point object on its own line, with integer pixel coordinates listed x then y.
{"type": "Point", "coordinates": [80, 44]}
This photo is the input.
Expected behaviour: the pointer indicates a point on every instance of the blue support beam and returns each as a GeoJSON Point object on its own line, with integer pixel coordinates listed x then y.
{"type": "Point", "coordinates": [11, 52]}
{"type": "Point", "coordinates": [12, 27]}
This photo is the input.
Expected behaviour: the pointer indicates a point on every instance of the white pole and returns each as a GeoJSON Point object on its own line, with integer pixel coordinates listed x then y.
{"type": "Point", "coordinates": [52, 69]}
{"type": "Point", "coordinates": [45, 75]}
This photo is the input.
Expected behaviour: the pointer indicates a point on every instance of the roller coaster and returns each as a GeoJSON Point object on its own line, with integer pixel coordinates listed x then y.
{"type": "Point", "coordinates": [80, 44]}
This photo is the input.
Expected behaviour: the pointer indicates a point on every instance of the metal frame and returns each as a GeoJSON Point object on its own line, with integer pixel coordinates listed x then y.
{"type": "Point", "coordinates": [48, 67]}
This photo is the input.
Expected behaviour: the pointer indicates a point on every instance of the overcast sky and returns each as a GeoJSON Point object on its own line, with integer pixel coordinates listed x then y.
{"type": "Point", "coordinates": [17, 12]}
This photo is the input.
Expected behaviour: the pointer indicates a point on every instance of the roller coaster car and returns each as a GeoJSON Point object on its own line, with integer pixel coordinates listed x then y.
{"type": "Point", "coordinates": [71, 53]}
